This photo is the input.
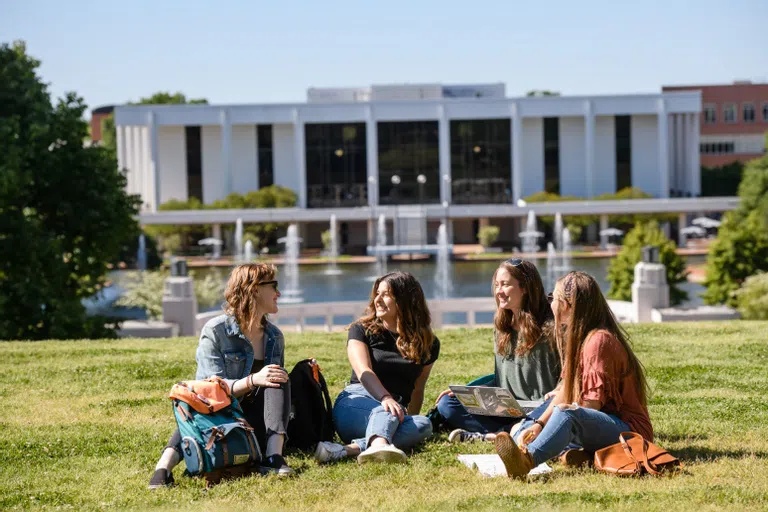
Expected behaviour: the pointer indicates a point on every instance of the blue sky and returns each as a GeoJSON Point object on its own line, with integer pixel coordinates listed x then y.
{"type": "Point", "coordinates": [254, 51]}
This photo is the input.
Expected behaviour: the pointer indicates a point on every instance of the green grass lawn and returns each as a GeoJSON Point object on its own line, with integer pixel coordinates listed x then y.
{"type": "Point", "coordinates": [83, 423]}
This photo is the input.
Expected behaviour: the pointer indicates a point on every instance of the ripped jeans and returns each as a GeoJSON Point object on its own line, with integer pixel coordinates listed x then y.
{"type": "Point", "coordinates": [572, 425]}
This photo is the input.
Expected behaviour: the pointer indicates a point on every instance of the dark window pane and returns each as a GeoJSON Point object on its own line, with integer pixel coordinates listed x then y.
{"type": "Point", "coordinates": [336, 164]}
{"type": "Point", "coordinates": [552, 154]}
{"type": "Point", "coordinates": [480, 161]}
{"type": "Point", "coordinates": [265, 150]}
{"type": "Point", "coordinates": [194, 162]}
{"type": "Point", "coordinates": [623, 152]}
{"type": "Point", "coordinates": [408, 149]}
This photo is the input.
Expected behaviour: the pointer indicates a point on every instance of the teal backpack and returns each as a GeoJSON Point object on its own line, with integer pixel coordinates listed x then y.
{"type": "Point", "coordinates": [216, 439]}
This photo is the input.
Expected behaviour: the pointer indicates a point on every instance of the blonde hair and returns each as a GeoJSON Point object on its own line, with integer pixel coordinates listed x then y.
{"type": "Point", "coordinates": [242, 291]}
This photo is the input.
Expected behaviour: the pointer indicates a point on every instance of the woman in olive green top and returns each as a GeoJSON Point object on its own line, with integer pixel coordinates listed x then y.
{"type": "Point", "coordinates": [526, 359]}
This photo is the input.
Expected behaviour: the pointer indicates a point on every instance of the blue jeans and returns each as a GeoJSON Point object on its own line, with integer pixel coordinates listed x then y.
{"type": "Point", "coordinates": [359, 417]}
{"type": "Point", "coordinates": [572, 427]}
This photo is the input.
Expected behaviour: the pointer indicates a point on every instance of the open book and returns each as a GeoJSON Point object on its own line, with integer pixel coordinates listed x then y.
{"type": "Point", "coordinates": [488, 401]}
{"type": "Point", "coordinates": [491, 465]}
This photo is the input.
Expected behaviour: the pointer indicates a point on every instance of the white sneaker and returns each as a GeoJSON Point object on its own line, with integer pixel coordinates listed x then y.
{"type": "Point", "coordinates": [384, 453]}
{"type": "Point", "coordinates": [462, 436]}
{"type": "Point", "coordinates": [329, 452]}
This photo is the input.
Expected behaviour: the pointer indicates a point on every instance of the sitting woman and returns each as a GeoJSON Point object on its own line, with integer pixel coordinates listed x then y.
{"type": "Point", "coordinates": [391, 350]}
{"type": "Point", "coordinates": [244, 348]}
{"type": "Point", "coordinates": [526, 359]}
{"type": "Point", "coordinates": [603, 392]}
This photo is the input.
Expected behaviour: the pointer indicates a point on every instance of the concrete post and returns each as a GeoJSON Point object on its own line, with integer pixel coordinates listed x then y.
{"type": "Point", "coordinates": [603, 238]}
{"type": "Point", "coordinates": [649, 290]}
{"type": "Point", "coordinates": [217, 247]}
{"type": "Point", "coordinates": [682, 220]}
{"type": "Point", "coordinates": [180, 304]}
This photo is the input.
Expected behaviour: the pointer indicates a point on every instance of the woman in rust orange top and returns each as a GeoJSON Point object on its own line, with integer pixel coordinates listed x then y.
{"type": "Point", "coordinates": [603, 391]}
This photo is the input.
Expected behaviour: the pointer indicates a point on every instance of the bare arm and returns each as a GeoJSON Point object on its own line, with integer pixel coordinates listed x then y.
{"type": "Point", "coordinates": [360, 359]}
{"type": "Point", "coordinates": [417, 397]}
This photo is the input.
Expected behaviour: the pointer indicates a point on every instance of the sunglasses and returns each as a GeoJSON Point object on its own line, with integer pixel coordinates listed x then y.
{"type": "Point", "coordinates": [273, 283]}
{"type": "Point", "coordinates": [515, 262]}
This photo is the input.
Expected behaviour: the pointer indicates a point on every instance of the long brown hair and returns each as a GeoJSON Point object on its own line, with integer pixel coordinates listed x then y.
{"type": "Point", "coordinates": [590, 313]}
{"type": "Point", "coordinates": [534, 319]}
{"type": "Point", "coordinates": [242, 291]}
{"type": "Point", "coordinates": [414, 323]}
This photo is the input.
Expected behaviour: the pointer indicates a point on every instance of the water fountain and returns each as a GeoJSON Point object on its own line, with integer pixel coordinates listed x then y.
{"type": "Point", "coordinates": [291, 293]}
{"type": "Point", "coordinates": [238, 241]}
{"type": "Point", "coordinates": [558, 231]}
{"type": "Point", "coordinates": [248, 256]}
{"type": "Point", "coordinates": [566, 266]}
{"type": "Point", "coordinates": [381, 241]}
{"type": "Point", "coordinates": [141, 254]}
{"type": "Point", "coordinates": [551, 277]}
{"type": "Point", "coordinates": [443, 271]}
{"type": "Point", "coordinates": [530, 236]}
{"type": "Point", "coordinates": [333, 254]}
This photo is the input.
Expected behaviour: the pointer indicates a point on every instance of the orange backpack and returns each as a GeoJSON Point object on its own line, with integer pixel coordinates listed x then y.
{"type": "Point", "coordinates": [205, 396]}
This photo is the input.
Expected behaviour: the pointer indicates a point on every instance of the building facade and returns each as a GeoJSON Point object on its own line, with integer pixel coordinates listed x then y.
{"type": "Point", "coordinates": [733, 123]}
{"type": "Point", "coordinates": [414, 145]}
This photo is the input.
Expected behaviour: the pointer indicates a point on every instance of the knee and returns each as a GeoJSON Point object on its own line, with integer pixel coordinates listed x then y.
{"type": "Point", "coordinates": [446, 406]}
{"type": "Point", "coordinates": [424, 426]}
{"type": "Point", "coordinates": [564, 413]}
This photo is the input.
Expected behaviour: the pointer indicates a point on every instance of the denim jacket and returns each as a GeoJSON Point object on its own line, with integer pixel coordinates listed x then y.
{"type": "Point", "coordinates": [224, 350]}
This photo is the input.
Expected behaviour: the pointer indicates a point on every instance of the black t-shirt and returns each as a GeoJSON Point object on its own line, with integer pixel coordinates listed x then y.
{"type": "Point", "coordinates": [397, 374]}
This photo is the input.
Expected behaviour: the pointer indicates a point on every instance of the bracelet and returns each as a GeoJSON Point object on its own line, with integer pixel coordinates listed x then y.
{"type": "Point", "coordinates": [540, 423]}
{"type": "Point", "coordinates": [249, 382]}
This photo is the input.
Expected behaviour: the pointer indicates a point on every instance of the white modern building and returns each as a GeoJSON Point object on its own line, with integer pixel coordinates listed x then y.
{"type": "Point", "coordinates": [466, 145]}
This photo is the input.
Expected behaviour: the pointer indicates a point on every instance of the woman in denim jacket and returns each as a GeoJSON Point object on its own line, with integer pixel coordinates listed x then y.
{"type": "Point", "coordinates": [244, 348]}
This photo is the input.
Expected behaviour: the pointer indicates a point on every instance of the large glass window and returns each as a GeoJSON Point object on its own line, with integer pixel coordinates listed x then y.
{"type": "Point", "coordinates": [336, 164]}
{"type": "Point", "coordinates": [406, 150]}
{"type": "Point", "coordinates": [266, 160]}
{"type": "Point", "coordinates": [623, 152]}
{"type": "Point", "coordinates": [480, 161]}
{"type": "Point", "coordinates": [194, 162]}
{"type": "Point", "coordinates": [552, 155]}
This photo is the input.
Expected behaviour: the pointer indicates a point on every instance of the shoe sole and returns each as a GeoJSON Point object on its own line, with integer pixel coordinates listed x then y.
{"type": "Point", "coordinates": [510, 455]}
{"type": "Point", "coordinates": [383, 456]}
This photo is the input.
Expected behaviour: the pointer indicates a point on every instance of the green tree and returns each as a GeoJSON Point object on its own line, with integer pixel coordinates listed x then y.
{"type": "Point", "coordinates": [574, 223]}
{"type": "Point", "coordinates": [487, 236]}
{"type": "Point", "coordinates": [741, 247]}
{"type": "Point", "coordinates": [621, 270]}
{"type": "Point", "coordinates": [721, 181]}
{"type": "Point", "coordinates": [752, 297]}
{"type": "Point", "coordinates": [631, 219]}
{"type": "Point", "coordinates": [65, 213]}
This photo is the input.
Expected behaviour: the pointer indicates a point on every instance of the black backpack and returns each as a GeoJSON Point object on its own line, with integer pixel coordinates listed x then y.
{"type": "Point", "coordinates": [311, 408]}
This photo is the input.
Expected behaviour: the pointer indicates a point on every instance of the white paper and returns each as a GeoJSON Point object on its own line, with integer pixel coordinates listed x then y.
{"type": "Point", "coordinates": [491, 465]}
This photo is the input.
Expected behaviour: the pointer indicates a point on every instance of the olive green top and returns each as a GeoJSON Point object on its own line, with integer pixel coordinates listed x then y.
{"type": "Point", "coordinates": [528, 377]}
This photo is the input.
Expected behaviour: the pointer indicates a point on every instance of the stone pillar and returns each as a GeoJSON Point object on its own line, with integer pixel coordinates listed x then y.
{"type": "Point", "coordinates": [226, 150]}
{"type": "Point", "coordinates": [694, 160]}
{"type": "Point", "coordinates": [603, 225]}
{"type": "Point", "coordinates": [517, 153]}
{"type": "Point", "coordinates": [589, 153]}
{"type": "Point", "coordinates": [663, 145]}
{"type": "Point", "coordinates": [649, 290]}
{"type": "Point", "coordinates": [153, 160]}
{"type": "Point", "coordinates": [372, 157]}
{"type": "Point", "coordinates": [300, 156]}
{"type": "Point", "coordinates": [682, 221]}
{"type": "Point", "coordinates": [444, 151]}
{"type": "Point", "coordinates": [180, 304]}
{"type": "Point", "coordinates": [217, 234]}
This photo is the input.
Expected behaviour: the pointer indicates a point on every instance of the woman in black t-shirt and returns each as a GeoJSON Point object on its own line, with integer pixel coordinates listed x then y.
{"type": "Point", "coordinates": [391, 350]}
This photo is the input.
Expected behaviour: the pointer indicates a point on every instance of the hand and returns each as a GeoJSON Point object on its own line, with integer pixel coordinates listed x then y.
{"type": "Point", "coordinates": [393, 407]}
{"type": "Point", "coordinates": [550, 394]}
{"type": "Point", "coordinates": [529, 434]}
{"type": "Point", "coordinates": [441, 395]}
{"type": "Point", "coordinates": [271, 376]}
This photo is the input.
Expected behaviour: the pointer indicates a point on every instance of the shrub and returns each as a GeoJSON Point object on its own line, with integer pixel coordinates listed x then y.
{"type": "Point", "coordinates": [145, 290]}
{"type": "Point", "coordinates": [487, 236]}
{"type": "Point", "coordinates": [752, 297]}
{"type": "Point", "coordinates": [741, 247]}
{"type": "Point", "coordinates": [621, 271]}
{"type": "Point", "coordinates": [325, 236]}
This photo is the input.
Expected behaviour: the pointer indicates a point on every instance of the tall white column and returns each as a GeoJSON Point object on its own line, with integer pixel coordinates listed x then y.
{"type": "Point", "coordinates": [663, 147]}
{"type": "Point", "coordinates": [301, 164]}
{"type": "Point", "coordinates": [146, 163]}
{"type": "Point", "coordinates": [138, 168]}
{"type": "Point", "coordinates": [694, 161]}
{"type": "Point", "coordinates": [603, 225]}
{"type": "Point", "coordinates": [124, 133]}
{"type": "Point", "coordinates": [444, 145]}
{"type": "Point", "coordinates": [372, 158]}
{"type": "Point", "coordinates": [681, 141]}
{"type": "Point", "coordinates": [154, 161]}
{"type": "Point", "coordinates": [226, 150]}
{"type": "Point", "coordinates": [517, 153]}
{"type": "Point", "coordinates": [120, 141]}
{"type": "Point", "coordinates": [589, 153]}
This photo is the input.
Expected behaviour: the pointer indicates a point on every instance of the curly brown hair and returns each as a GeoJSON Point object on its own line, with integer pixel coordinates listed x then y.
{"type": "Point", "coordinates": [534, 321]}
{"type": "Point", "coordinates": [590, 313]}
{"type": "Point", "coordinates": [414, 322]}
{"type": "Point", "coordinates": [242, 291]}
